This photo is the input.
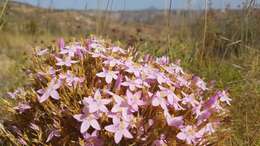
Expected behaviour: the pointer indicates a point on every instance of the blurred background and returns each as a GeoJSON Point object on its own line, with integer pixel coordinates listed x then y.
{"type": "Point", "coordinates": [216, 39]}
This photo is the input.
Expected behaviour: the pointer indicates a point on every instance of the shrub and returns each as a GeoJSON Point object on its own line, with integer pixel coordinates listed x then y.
{"type": "Point", "coordinates": [96, 93]}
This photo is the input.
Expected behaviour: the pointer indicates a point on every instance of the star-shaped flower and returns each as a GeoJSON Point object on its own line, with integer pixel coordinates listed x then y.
{"type": "Point", "coordinates": [88, 119]}
{"type": "Point", "coordinates": [110, 61]}
{"type": "Point", "coordinates": [134, 69]}
{"type": "Point", "coordinates": [71, 79]}
{"type": "Point", "coordinates": [108, 75]}
{"type": "Point", "coordinates": [134, 100]}
{"type": "Point", "coordinates": [189, 99]}
{"type": "Point", "coordinates": [67, 62]}
{"type": "Point", "coordinates": [224, 97]}
{"type": "Point", "coordinates": [70, 51]}
{"type": "Point", "coordinates": [189, 135]}
{"type": "Point", "coordinates": [50, 91]}
{"type": "Point", "coordinates": [41, 52]}
{"type": "Point", "coordinates": [172, 98]}
{"type": "Point", "coordinates": [22, 107]}
{"type": "Point", "coordinates": [132, 84]}
{"type": "Point", "coordinates": [96, 103]}
{"type": "Point", "coordinates": [120, 129]}
{"type": "Point", "coordinates": [200, 83]}
{"type": "Point", "coordinates": [159, 100]}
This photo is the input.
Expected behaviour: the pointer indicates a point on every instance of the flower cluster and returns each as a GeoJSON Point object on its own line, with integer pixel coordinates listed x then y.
{"type": "Point", "coordinates": [102, 92]}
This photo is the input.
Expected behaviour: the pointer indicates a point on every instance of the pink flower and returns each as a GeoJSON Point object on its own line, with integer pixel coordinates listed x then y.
{"type": "Point", "coordinates": [150, 122]}
{"type": "Point", "coordinates": [69, 51]}
{"type": "Point", "coordinates": [22, 107]}
{"type": "Point", "coordinates": [34, 127]}
{"type": "Point", "coordinates": [182, 81]}
{"type": "Point", "coordinates": [132, 84]}
{"type": "Point", "coordinates": [71, 79]}
{"type": "Point", "coordinates": [41, 52]}
{"type": "Point", "coordinates": [118, 82]}
{"type": "Point", "coordinates": [160, 142]}
{"type": "Point", "coordinates": [189, 99]}
{"type": "Point", "coordinates": [120, 128]}
{"type": "Point", "coordinates": [94, 44]}
{"type": "Point", "coordinates": [200, 83]}
{"type": "Point", "coordinates": [112, 62]}
{"type": "Point", "coordinates": [50, 91]}
{"type": "Point", "coordinates": [134, 69]}
{"type": "Point", "coordinates": [61, 43]}
{"type": "Point", "coordinates": [134, 100]}
{"type": "Point", "coordinates": [164, 60]}
{"type": "Point", "coordinates": [208, 128]}
{"type": "Point", "coordinates": [96, 103]}
{"type": "Point", "coordinates": [53, 133]}
{"type": "Point", "coordinates": [211, 102]}
{"type": "Point", "coordinates": [203, 116]}
{"type": "Point", "coordinates": [67, 62]}
{"type": "Point", "coordinates": [174, 69]}
{"type": "Point", "coordinates": [92, 139]}
{"type": "Point", "coordinates": [158, 100]}
{"type": "Point", "coordinates": [172, 98]}
{"type": "Point", "coordinates": [188, 134]}
{"type": "Point", "coordinates": [117, 50]}
{"type": "Point", "coordinates": [14, 94]}
{"type": "Point", "coordinates": [97, 55]}
{"type": "Point", "coordinates": [174, 121]}
{"type": "Point", "coordinates": [51, 71]}
{"type": "Point", "coordinates": [120, 107]}
{"type": "Point", "coordinates": [224, 97]}
{"type": "Point", "coordinates": [108, 75]}
{"type": "Point", "coordinates": [22, 141]}
{"type": "Point", "coordinates": [88, 119]}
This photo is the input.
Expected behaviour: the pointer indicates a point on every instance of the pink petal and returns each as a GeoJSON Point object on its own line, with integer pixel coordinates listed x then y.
{"type": "Point", "coordinates": [115, 108]}
{"type": "Point", "coordinates": [109, 79]}
{"type": "Point", "coordinates": [93, 108]}
{"type": "Point", "coordinates": [127, 134]}
{"type": "Point", "coordinates": [155, 101]}
{"type": "Point", "coordinates": [181, 136]}
{"type": "Point", "coordinates": [106, 101]}
{"type": "Point", "coordinates": [138, 94]}
{"type": "Point", "coordinates": [94, 124]}
{"type": "Point", "coordinates": [40, 91]}
{"type": "Point", "coordinates": [128, 93]}
{"type": "Point", "coordinates": [103, 109]}
{"type": "Point", "coordinates": [55, 95]}
{"type": "Point", "coordinates": [176, 121]}
{"type": "Point", "coordinates": [101, 74]}
{"type": "Point", "coordinates": [84, 126]}
{"type": "Point", "coordinates": [78, 117]}
{"type": "Point", "coordinates": [118, 136]}
{"type": "Point", "coordinates": [140, 102]}
{"type": "Point", "coordinates": [44, 97]}
{"type": "Point", "coordinates": [170, 99]}
{"type": "Point", "coordinates": [111, 128]}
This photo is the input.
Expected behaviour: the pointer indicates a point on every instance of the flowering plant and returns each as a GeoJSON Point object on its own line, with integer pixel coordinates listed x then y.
{"type": "Point", "coordinates": [95, 93]}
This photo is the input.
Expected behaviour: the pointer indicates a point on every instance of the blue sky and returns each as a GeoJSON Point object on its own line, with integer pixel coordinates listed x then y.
{"type": "Point", "coordinates": [128, 4]}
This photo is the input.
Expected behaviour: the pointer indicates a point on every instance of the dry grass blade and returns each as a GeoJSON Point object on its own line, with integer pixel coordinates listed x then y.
{"type": "Point", "coordinates": [3, 12]}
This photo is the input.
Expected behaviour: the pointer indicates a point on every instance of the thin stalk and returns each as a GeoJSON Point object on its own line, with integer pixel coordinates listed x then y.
{"type": "Point", "coordinates": [168, 28]}
{"type": "Point", "coordinates": [3, 12]}
{"type": "Point", "coordinates": [205, 30]}
{"type": "Point", "coordinates": [105, 16]}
